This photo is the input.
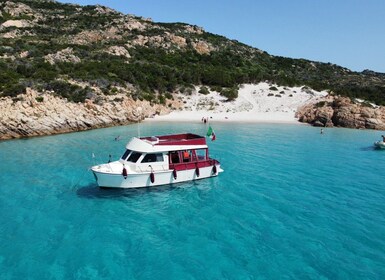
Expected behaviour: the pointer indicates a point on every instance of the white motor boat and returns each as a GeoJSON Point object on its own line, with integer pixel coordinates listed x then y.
{"type": "Point", "coordinates": [159, 160]}
{"type": "Point", "coordinates": [379, 144]}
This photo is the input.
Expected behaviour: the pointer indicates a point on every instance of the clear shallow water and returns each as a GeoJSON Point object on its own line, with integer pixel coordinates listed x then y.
{"type": "Point", "coordinates": [291, 204]}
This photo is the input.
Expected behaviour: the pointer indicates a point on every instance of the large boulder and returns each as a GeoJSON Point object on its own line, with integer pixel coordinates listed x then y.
{"type": "Point", "coordinates": [343, 112]}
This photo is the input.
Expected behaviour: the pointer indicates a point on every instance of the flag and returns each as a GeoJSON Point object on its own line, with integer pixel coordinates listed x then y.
{"type": "Point", "coordinates": [211, 133]}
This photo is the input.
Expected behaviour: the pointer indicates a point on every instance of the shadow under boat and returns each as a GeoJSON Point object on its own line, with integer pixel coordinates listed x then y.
{"type": "Point", "coordinates": [93, 191]}
{"type": "Point", "coordinates": [371, 148]}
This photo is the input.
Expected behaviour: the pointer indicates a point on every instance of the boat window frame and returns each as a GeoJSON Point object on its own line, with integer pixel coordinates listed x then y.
{"type": "Point", "coordinates": [187, 155]}
{"type": "Point", "coordinates": [174, 157]}
{"type": "Point", "coordinates": [128, 152]}
{"type": "Point", "coordinates": [132, 154]}
{"type": "Point", "coordinates": [157, 158]}
{"type": "Point", "coordinates": [199, 153]}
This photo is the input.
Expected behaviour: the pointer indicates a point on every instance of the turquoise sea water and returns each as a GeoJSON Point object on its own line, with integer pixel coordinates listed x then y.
{"type": "Point", "coordinates": [291, 204]}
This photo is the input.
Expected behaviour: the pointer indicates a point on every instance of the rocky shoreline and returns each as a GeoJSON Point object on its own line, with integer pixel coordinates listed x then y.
{"type": "Point", "coordinates": [336, 111]}
{"type": "Point", "coordinates": [37, 114]}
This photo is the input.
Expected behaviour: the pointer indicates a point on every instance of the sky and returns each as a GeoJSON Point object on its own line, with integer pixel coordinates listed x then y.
{"type": "Point", "coordinates": [349, 33]}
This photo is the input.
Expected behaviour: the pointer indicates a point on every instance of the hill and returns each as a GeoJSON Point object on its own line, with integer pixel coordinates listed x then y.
{"type": "Point", "coordinates": [80, 52]}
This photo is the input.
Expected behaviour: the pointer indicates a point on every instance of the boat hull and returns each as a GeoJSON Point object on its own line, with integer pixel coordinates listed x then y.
{"type": "Point", "coordinates": [379, 145]}
{"type": "Point", "coordinates": [140, 180]}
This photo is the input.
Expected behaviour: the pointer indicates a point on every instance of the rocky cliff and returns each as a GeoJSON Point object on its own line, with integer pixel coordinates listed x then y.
{"type": "Point", "coordinates": [35, 114]}
{"type": "Point", "coordinates": [337, 111]}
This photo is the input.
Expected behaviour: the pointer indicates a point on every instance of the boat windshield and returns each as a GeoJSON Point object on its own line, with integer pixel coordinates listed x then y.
{"type": "Point", "coordinates": [153, 158]}
{"type": "Point", "coordinates": [125, 155]}
{"type": "Point", "coordinates": [134, 157]}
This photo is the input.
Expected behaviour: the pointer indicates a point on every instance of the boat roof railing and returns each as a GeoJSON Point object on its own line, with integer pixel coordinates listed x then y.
{"type": "Point", "coordinates": [176, 139]}
{"type": "Point", "coordinates": [166, 143]}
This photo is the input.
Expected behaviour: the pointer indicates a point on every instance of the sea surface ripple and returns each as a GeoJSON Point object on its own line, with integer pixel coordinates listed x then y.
{"type": "Point", "coordinates": [291, 204]}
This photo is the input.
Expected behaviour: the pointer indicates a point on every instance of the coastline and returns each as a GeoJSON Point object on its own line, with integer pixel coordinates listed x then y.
{"type": "Point", "coordinates": [38, 114]}
{"type": "Point", "coordinates": [240, 117]}
{"type": "Point", "coordinates": [256, 103]}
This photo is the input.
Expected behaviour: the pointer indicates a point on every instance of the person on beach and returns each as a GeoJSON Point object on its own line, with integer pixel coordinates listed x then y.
{"type": "Point", "coordinates": [322, 131]}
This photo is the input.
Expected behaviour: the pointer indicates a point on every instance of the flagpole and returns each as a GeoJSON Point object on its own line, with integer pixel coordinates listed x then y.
{"type": "Point", "coordinates": [138, 127]}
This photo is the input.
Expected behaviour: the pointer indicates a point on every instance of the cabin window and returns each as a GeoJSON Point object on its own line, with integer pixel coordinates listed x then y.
{"type": "Point", "coordinates": [201, 154]}
{"type": "Point", "coordinates": [125, 155]}
{"type": "Point", "coordinates": [174, 157]}
{"type": "Point", "coordinates": [134, 157]}
{"type": "Point", "coordinates": [153, 158]}
{"type": "Point", "coordinates": [186, 155]}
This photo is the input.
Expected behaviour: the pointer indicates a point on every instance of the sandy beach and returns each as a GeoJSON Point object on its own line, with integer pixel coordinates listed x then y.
{"type": "Point", "coordinates": [263, 102]}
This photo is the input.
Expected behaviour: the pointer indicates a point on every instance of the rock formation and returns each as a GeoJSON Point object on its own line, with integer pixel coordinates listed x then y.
{"type": "Point", "coordinates": [336, 111]}
{"type": "Point", "coordinates": [65, 55]}
{"type": "Point", "coordinates": [118, 51]}
{"type": "Point", "coordinates": [34, 114]}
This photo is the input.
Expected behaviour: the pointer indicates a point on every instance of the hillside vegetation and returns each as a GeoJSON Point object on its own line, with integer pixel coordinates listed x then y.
{"type": "Point", "coordinates": [79, 52]}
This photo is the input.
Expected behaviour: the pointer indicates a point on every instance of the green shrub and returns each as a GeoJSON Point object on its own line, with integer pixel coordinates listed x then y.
{"type": "Point", "coordinates": [149, 96]}
{"type": "Point", "coordinates": [13, 90]}
{"type": "Point", "coordinates": [204, 90]}
{"type": "Point", "coordinates": [162, 99]}
{"type": "Point", "coordinates": [73, 93]}
{"type": "Point", "coordinates": [39, 98]}
{"type": "Point", "coordinates": [230, 93]}
{"type": "Point", "coordinates": [216, 88]}
{"type": "Point", "coordinates": [168, 95]}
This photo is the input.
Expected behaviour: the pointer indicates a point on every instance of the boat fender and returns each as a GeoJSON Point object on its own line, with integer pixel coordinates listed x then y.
{"type": "Point", "coordinates": [124, 172]}
{"type": "Point", "coordinates": [197, 171]}
{"type": "Point", "coordinates": [174, 174]}
{"type": "Point", "coordinates": [152, 177]}
{"type": "Point", "coordinates": [214, 169]}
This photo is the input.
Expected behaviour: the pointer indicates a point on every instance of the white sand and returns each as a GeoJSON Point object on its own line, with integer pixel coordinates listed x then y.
{"type": "Point", "coordinates": [255, 103]}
